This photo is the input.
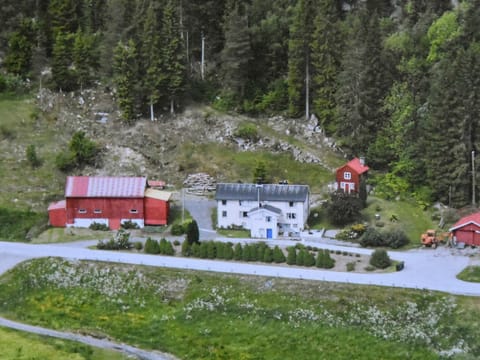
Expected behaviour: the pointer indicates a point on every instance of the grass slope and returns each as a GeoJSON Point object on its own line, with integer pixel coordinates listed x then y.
{"type": "Point", "coordinates": [198, 315]}
{"type": "Point", "coordinates": [16, 345]}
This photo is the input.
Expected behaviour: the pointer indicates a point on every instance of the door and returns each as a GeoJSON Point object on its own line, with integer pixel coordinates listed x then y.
{"type": "Point", "coordinates": [269, 233]}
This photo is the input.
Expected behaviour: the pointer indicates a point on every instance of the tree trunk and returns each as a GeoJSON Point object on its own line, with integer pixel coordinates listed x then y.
{"type": "Point", "coordinates": [172, 107]}
{"type": "Point", "coordinates": [202, 68]}
{"type": "Point", "coordinates": [152, 116]}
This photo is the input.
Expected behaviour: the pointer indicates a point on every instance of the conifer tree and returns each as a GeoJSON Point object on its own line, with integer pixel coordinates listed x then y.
{"type": "Point", "coordinates": [20, 47]}
{"type": "Point", "coordinates": [268, 255]}
{"type": "Point", "coordinates": [84, 57]}
{"type": "Point", "coordinates": [326, 48]}
{"type": "Point", "coordinates": [291, 255]}
{"type": "Point", "coordinates": [237, 51]}
{"type": "Point", "coordinates": [154, 77]}
{"type": "Point", "coordinates": [172, 56]}
{"type": "Point", "coordinates": [278, 255]}
{"type": "Point", "coordinates": [125, 73]}
{"type": "Point", "coordinates": [238, 251]}
{"type": "Point", "coordinates": [300, 261]}
{"type": "Point", "coordinates": [309, 259]}
{"type": "Point", "coordinates": [62, 74]}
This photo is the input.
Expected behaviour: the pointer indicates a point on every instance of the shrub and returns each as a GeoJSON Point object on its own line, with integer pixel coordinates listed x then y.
{"type": "Point", "coordinates": [396, 238]}
{"type": "Point", "coordinates": [65, 161]}
{"type": "Point", "coordinates": [121, 241]}
{"type": "Point", "coordinates": [138, 245]}
{"type": "Point", "coordinates": [268, 255]}
{"type": "Point", "coordinates": [166, 247]}
{"type": "Point", "coordinates": [152, 246]}
{"type": "Point", "coordinates": [176, 242]}
{"type": "Point", "coordinates": [351, 266]}
{"type": "Point", "coordinates": [177, 229]}
{"type": "Point", "coordinates": [99, 227]}
{"type": "Point", "coordinates": [247, 131]}
{"type": "Point", "coordinates": [32, 158]}
{"type": "Point", "coordinates": [129, 224]}
{"type": "Point", "coordinates": [238, 251]}
{"type": "Point", "coordinates": [309, 259]}
{"type": "Point", "coordinates": [380, 259]}
{"type": "Point", "coordinates": [186, 249]}
{"type": "Point", "coordinates": [372, 237]}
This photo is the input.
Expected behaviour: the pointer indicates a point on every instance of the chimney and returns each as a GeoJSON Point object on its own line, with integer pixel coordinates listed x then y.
{"type": "Point", "coordinates": [362, 160]}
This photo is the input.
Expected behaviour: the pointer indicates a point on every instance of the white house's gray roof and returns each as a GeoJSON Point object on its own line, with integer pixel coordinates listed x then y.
{"type": "Point", "coordinates": [266, 192]}
{"type": "Point", "coordinates": [270, 208]}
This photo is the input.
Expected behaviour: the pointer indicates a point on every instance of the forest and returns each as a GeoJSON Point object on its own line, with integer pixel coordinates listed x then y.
{"type": "Point", "coordinates": [396, 81]}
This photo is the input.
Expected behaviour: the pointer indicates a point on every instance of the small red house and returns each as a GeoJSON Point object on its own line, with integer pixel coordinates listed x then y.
{"type": "Point", "coordinates": [156, 207]}
{"type": "Point", "coordinates": [467, 230]}
{"type": "Point", "coordinates": [110, 201]}
{"type": "Point", "coordinates": [348, 176]}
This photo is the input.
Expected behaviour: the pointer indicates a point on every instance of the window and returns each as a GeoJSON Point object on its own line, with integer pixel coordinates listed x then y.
{"type": "Point", "coordinates": [269, 218]}
{"type": "Point", "coordinates": [290, 203]}
{"type": "Point", "coordinates": [291, 216]}
{"type": "Point", "coordinates": [347, 175]}
{"type": "Point", "coordinates": [133, 211]}
{"type": "Point", "coordinates": [97, 211]}
{"type": "Point", "coordinates": [240, 202]}
{"type": "Point", "coordinates": [224, 213]}
{"type": "Point", "coordinates": [244, 214]}
{"type": "Point", "coordinates": [224, 202]}
{"type": "Point", "coordinates": [82, 211]}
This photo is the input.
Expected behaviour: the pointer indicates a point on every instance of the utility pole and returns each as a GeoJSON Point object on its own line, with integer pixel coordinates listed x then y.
{"type": "Point", "coordinates": [473, 177]}
{"type": "Point", "coordinates": [202, 66]}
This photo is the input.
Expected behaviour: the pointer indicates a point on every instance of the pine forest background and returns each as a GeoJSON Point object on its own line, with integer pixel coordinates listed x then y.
{"type": "Point", "coordinates": [396, 81]}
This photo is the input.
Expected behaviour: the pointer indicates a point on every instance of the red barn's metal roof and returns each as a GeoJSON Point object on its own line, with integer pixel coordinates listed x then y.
{"type": "Point", "coordinates": [86, 186]}
{"type": "Point", "coordinates": [467, 220]}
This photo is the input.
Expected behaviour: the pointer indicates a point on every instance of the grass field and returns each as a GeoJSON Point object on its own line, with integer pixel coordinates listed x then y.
{"type": "Point", "coordinates": [17, 345]}
{"type": "Point", "coordinates": [197, 315]}
{"type": "Point", "coordinates": [470, 273]}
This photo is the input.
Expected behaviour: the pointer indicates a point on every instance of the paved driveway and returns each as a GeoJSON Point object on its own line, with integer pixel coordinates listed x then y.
{"type": "Point", "coordinates": [201, 209]}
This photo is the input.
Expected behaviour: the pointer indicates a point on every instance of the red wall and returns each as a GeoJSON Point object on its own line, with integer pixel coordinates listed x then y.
{"type": "Point", "coordinates": [156, 211]}
{"type": "Point", "coordinates": [468, 235]}
{"type": "Point", "coordinates": [112, 208]}
{"type": "Point", "coordinates": [355, 177]}
{"type": "Point", "coordinates": [57, 217]}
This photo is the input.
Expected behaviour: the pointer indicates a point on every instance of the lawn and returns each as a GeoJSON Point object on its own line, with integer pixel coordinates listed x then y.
{"type": "Point", "coordinates": [198, 315]}
{"type": "Point", "coordinates": [17, 345]}
{"type": "Point", "coordinates": [470, 273]}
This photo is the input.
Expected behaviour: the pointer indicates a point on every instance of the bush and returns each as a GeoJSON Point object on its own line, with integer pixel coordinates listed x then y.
{"type": "Point", "coordinates": [343, 208]}
{"type": "Point", "coordinates": [351, 266]}
{"type": "Point", "coordinates": [65, 161]}
{"type": "Point", "coordinates": [396, 238]}
{"type": "Point", "coordinates": [121, 241]}
{"type": "Point", "coordinates": [372, 237]}
{"type": "Point", "coordinates": [99, 227]}
{"type": "Point", "coordinates": [177, 229]}
{"type": "Point", "coordinates": [380, 259]}
{"type": "Point", "coordinates": [324, 260]}
{"type": "Point", "coordinates": [152, 246]}
{"type": "Point", "coordinates": [129, 224]}
{"type": "Point", "coordinates": [138, 245]}
{"type": "Point", "coordinates": [32, 158]}
{"type": "Point", "coordinates": [278, 256]}
{"type": "Point", "coordinates": [247, 131]}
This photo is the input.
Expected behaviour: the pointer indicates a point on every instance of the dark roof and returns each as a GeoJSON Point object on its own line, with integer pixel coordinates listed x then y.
{"type": "Point", "coordinates": [270, 208]}
{"type": "Point", "coordinates": [267, 192]}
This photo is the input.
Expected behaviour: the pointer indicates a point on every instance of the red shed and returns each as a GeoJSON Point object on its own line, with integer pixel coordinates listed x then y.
{"type": "Point", "coordinates": [57, 213]}
{"type": "Point", "coordinates": [467, 230]}
{"type": "Point", "coordinates": [106, 200]}
{"type": "Point", "coordinates": [157, 207]}
{"type": "Point", "coordinates": [348, 176]}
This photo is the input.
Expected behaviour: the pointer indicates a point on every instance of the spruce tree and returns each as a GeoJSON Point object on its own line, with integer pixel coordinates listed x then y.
{"type": "Point", "coordinates": [172, 55]}
{"type": "Point", "coordinates": [236, 53]}
{"type": "Point", "coordinates": [268, 255]}
{"type": "Point", "coordinates": [326, 48]}
{"type": "Point", "coordinates": [20, 49]}
{"type": "Point", "coordinates": [309, 259]}
{"type": "Point", "coordinates": [125, 78]}
{"type": "Point", "coordinates": [62, 60]}
{"type": "Point", "coordinates": [193, 234]}
{"type": "Point", "coordinates": [238, 251]}
{"type": "Point", "coordinates": [278, 255]}
{"type": "Point", "coordinates": [301, 257]}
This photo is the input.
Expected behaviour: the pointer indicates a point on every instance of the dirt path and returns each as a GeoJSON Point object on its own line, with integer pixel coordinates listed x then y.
{"type": "Point", "coordinates": [88, 340]}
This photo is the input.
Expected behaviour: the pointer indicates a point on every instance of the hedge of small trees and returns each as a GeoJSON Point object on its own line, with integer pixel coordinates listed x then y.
{"type": "Point", "coordinates": [164, 247]}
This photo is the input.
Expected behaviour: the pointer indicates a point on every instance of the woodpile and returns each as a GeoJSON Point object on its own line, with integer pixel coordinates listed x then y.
{"type": "Point", "coordinates": [200, 183]}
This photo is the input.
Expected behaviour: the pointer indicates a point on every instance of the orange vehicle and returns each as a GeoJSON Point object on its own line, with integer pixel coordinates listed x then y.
{"type": "Point", "coordinates": [430, 239]}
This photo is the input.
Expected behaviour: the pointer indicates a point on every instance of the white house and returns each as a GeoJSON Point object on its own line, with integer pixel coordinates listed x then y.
{"type": "Point", "coordinates": [267, 210]}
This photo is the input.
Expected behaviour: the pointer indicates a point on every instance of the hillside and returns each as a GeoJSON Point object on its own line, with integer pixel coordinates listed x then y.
{"type": "Point", "coordinates": [197, 140]}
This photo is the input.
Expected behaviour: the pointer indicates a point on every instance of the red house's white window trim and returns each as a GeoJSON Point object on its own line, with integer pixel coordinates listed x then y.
{"type": "Point", "coordinates": [347, 175]}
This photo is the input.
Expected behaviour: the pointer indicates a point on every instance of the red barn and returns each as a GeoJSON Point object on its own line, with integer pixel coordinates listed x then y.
{"type": "Point", "coordinates": [467, 230]}
{"type": "Point", "coordinates": [348, 176]}
{"type": "Point", "coordinates": [110, 201]}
